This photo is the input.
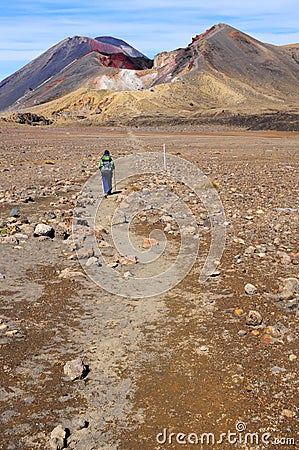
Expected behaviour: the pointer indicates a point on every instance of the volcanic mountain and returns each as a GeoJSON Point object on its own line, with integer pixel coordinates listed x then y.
{"type": "Point", "coordinates": [104, 80]}
{"type": "Point", "coordinates": [78, 58]}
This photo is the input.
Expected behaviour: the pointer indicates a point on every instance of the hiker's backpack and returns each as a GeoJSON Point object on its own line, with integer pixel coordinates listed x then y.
{"type": "Point", "coordinates": [107, 165]}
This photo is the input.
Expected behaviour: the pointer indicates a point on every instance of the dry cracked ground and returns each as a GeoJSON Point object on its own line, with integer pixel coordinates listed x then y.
{"type": "Point", "coordinates": [210, 365]}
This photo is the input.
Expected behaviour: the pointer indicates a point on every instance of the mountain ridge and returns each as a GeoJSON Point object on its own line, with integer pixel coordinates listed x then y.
{"type": "Point", "coordinates": [220, 69]}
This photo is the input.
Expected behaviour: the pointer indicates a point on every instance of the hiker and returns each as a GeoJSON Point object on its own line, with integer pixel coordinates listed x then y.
{"type": "Point", "coordinates": [106, 166]}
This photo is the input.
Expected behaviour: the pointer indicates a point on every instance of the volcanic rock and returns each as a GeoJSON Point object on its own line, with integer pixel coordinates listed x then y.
{"type": "Point", "coordinates": [58, 438]}
{"type": "Point", "coordinates": [254, 318]}
{"type": "Point", "coordinates": [250, 289]}
{"type": "Point", "coordinates": [42, 229]}
{"type": "Point", "coordinates": [75, 369]}
{"type": "Point", "coordinates": [14, 212]}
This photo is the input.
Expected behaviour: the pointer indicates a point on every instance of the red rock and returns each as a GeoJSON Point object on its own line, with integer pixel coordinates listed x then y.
{"type": "Point", "coordinates": [266, 339]}
{"type": "Point", "coordinates": [149, 242]}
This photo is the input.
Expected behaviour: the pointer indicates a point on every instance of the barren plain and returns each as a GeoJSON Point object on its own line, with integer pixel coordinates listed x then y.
{"type": "Point", "coordinates": [212, 365]}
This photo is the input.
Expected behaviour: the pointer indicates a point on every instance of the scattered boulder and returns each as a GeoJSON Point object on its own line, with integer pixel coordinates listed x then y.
{"type": "Point", "coordinates": [24, 198]}
{"type": "Point", "coordinates": [76, 369]}
{"type": "Point", "coordinates": [288, 297]}
{"type": "Point", "coordinates": [124, 260]}
{"type": "Point", "coordinates": [277, 370]}
{"type": "Point", "coordinates": [242, 333]}
{"type": "Point", "coordinates": [290, 289]}
{"type": "Point", "coordinates": [42, 229]}
{"type": "Point", "coordinates": [14, 212]}
{"type": "Point", "coordinates": [68, 273]}
{"type": "Point", "coordinates": [254, 318]}
{"type": "Point", "coordinates": [61, 231]}
{"type": "Point", "coordinates": [104, 244]}
{"type": "Point", "coordinates": [250, 289]}
{"type": "Point", "coordinates": [12, 240]}
{"type": "Point", "coordinates": [274, 334]}
{"type": "Point", "coordinates": [274, 331]}
{"type": "Point", "coordinates": [149, 242]}
{"type": "Point", "coordinates": [91, 261]}
{"type": "Point", "coordinates": [12, 332]}
{"type": "Point", "coordinates": [58, 438]}
{"type": "Point", "coordinates": [79, 423]}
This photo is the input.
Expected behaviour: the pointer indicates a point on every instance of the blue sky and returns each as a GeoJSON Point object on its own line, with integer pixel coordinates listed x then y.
{"type": "Point", "coordinates": [28, 28]}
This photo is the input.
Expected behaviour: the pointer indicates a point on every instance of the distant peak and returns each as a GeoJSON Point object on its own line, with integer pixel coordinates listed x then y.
{"type": "Point", "coordinates": [202, 35]}
{"type": "Point", "coordinates": [222, 25]}
{"type": "Point", "coordinates": [112, 43]}
{"type": "Point", "coordinates": [215, 28]}
{"type": "Point", "coordinates": [110, 40]}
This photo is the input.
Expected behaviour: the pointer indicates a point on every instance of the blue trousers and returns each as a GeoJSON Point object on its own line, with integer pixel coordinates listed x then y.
{"type": "Point", "coordinates": [107, 180]}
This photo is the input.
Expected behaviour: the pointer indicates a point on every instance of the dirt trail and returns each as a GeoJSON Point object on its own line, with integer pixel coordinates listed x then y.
{"type": "Point", "coordinates": [181, 362]}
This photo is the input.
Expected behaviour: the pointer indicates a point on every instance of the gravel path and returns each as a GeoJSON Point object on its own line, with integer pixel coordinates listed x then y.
{"type": "Point", "coordinates": [195, 359]}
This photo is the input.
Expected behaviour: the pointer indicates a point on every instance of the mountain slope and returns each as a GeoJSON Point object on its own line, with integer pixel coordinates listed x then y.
{"type": "Point", "coordinates": [221, 72]}
{"type": "Point", "coordinates": [227, 51]}
{"type": "Point", "coordinates": [82, 72]}
{"type": "Point", "coordinates": [58, 57]}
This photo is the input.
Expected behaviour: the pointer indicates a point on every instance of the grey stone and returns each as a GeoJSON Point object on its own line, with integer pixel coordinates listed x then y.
{"type": "Point", "coordinates": [79, 423]}
{"type": "Point", "coordinates": [289, 305]}
{"type": "Point", "coordinates": [61, 231]}
{"type": "Point", "coordinates": [250, 289]}
{"type": "Point", "coordinates": [42, 229]}
{"type": "Point", "coordinates": [288, 297]}
{"type": "Point", "coordinates": [83, 222]}
{"type": "Point", "coordinates": [242, 333]}
{"type": "Point", "coordinates": [58, 438]}
{"type": "Point", "coordinates": [91, 261]}
{"type": "Point", "coordinates": [276, 369]}
{"type": "Point", "coordinates": [75, 369]}
{"type": "Point", "coordinates": [14, 212]}
{"type": "Point", "coordinates": [290, 289]}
